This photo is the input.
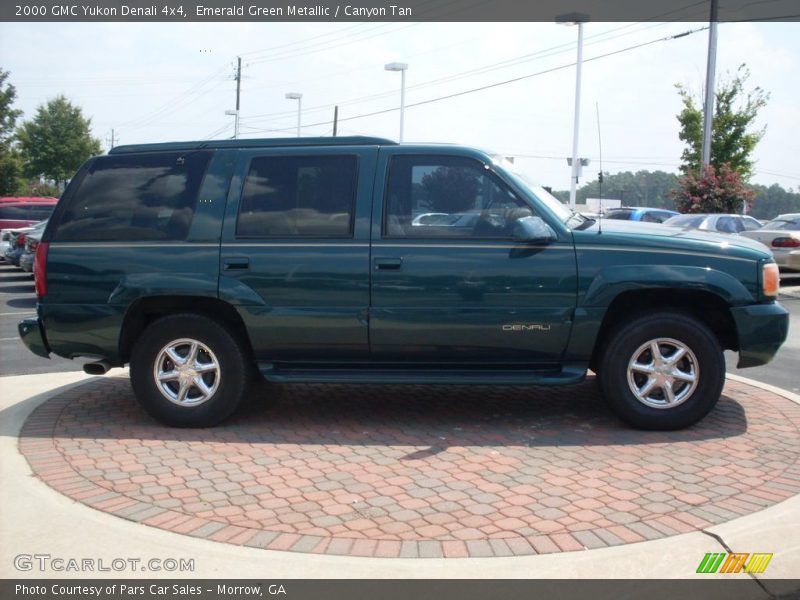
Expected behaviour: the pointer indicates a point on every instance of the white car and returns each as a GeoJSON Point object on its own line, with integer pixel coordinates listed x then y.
{"type": "Point", "coordinates": [719, 223]}
{"type": "Point", "coordinates": [782, 236]}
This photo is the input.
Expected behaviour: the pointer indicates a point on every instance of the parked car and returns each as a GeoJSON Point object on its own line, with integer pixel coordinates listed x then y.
{"type": "Point", "coordinates": [27, 199]}
{"type": "Point", "coordinates": [720, 223]}
{"type": "Point", "coordinates": [16, 245]}
{"type": "Point", "coordinates": [201, 264]}
{"type": "Point", "coordinates": [637, 213]}
{"type": "Point", "coordinates": [23, 214]}
{"type": "Point", "coordinates": [782, 236]}
{"type": "Point", "coordinates": [32, 239]}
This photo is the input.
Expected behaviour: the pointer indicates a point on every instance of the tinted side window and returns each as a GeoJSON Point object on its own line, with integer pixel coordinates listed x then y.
{"type": "Point", "coordinates": [31, 212]}
{"type": "Point", "coordinates": [134, 198]}
{"type": "Point", "coordinates": [619, 215]}
{"type": "Point", "coordinates": [448, 197]}
{"type": "Point", "coordinates": [298, 196]}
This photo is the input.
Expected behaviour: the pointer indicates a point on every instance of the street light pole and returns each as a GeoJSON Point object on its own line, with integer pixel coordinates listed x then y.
{"type": "Point", "coordinates": [402, 67]}
{"type": "Point", "coordinates": [708, 109]}
{"type": "Point", "coordinates": [575, 19]}
{"type": "Point", "coordinates": [299, 97]}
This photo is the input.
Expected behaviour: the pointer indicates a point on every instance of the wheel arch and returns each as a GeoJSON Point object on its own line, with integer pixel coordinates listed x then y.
{"type": "Point", "coordinates": [143, 311]}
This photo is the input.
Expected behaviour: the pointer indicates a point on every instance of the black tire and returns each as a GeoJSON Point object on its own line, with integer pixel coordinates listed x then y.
{"type": "Point", "coordinates": [228, 384]}
{"type": "Point", "coordinates": [704, 360]}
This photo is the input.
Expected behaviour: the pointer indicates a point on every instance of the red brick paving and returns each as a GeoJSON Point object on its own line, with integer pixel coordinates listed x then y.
{"type": "Point", "coordinates": [414, 471]}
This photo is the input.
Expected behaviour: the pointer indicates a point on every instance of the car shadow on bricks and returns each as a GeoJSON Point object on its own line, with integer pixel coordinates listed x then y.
{"type": "Point", "coordinates": [424, 420]}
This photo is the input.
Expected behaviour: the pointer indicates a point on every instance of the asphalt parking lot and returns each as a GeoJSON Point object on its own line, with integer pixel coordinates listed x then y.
{"type": "Point", "coordinates": [18, 300]}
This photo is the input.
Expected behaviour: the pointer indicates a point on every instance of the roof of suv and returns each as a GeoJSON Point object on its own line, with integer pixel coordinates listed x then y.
{"type": "Point", "coordinates": [255, 143]}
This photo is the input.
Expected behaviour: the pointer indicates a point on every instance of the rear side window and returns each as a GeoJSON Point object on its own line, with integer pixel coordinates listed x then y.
{"type": "Point", "coordinates": [137, 197]}
{"type": "Point", "coordinates": [298, 196]}
{"type": "Point", "coordinates": [619, 215]}
{"type": "Point", "coordinates": [27, 212]}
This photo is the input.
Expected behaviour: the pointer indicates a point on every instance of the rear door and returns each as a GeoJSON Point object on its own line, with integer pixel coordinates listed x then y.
{"type": "Point", "coordinates": [295, 251]}
{"type": "Point", "coordinates": [448, 283]}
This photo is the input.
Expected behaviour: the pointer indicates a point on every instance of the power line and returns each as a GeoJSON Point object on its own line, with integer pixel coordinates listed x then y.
{"type": "Point", "coordinates": [514, 61]}
{"type": "Point", "coordinates": [509, 81]}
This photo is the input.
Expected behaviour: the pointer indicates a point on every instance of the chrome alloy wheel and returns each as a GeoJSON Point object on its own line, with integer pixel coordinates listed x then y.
{"type": "Point", "coordinates": [186, 372]}
{"type": "Point", "coordinates": [663, 373]}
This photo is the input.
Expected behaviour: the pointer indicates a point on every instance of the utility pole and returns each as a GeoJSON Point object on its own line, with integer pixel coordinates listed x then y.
{"type": "Point", "coordinates": [708, 110]}
{"type": "Point", "coordinates": [238, 89]}
{"type": "Point", "coordinates": [335, 119]}
{"type": "Point", "coordinates": [113, 139]}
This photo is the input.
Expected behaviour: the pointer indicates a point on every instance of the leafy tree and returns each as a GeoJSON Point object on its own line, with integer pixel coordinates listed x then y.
{"type": "Point", "coordinates": [733, 137]}
{"type": "Point", "coordinates": [642, 188]}
{"type": "Point", "coordinates": [769, 202]}
{"type": "Point", "coordinates": [715, 190]}
{"type": "Point", "coordinates": [57, 141]}
{"type": "Point", "coordinates": [450, 189]}
{"type": "Point", "coordinates": [10, 163]}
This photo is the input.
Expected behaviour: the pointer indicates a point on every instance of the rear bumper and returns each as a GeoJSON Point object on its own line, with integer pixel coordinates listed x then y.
{"type": "Point", "coordinates": [31, 332]}
{"type": "Point", "coordinates": [761, 328]}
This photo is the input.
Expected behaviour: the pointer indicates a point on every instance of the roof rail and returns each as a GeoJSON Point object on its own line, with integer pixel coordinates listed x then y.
{"type": "Point", "coordinates": [254, 143]}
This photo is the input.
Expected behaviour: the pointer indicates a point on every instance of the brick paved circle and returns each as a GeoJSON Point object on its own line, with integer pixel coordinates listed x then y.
{"type": "Point", "coordinates": [414, 471]}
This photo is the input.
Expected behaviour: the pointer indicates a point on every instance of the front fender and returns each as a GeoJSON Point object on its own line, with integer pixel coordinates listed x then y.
{"type": "Point", "coordinates": [612, 281]}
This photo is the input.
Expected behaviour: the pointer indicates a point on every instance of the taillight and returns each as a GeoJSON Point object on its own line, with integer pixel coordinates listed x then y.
{"type": "Point", "coordinates": [770, 280]}
{"type": "Point", "coordinates": [40, 266]}
{"type": "Point", "coordinates": [786, 242]}
{"type": "Point", "coordinates": [32, 245]}
{"type": "Point", "coordinates": [21, 239]}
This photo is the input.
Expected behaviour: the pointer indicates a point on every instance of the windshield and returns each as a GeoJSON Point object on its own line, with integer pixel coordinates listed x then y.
{"type": "Point", "coordinates": [554, 204]}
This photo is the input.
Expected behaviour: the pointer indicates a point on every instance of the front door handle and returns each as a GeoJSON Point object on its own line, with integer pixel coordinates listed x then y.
{"type": "Point", "coordinates": [235, 262]}
{"type": "Point", "coordinates": [388, 264]}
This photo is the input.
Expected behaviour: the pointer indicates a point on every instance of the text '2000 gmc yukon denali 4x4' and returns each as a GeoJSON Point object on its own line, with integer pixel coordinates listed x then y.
{"type": "Point", "coordinates": [205, 264]}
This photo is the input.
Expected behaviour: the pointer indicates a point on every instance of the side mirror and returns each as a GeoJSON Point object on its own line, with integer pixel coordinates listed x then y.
{"type": "Point", "coordinates": [533, 230]}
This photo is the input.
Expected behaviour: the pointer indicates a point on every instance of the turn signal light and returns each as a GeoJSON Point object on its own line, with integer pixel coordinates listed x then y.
{"type": "Point", "coordinates": [770, 280]}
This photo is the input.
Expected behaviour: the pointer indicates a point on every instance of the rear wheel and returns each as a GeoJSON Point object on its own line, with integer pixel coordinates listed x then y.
{"type": "Point", "coordinates": [662, 371]}
{"type": "Point", "coordinates": [189, 371]}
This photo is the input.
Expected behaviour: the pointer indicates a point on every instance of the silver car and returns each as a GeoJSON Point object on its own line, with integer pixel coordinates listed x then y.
{"type": "Point", "coordinates": [782, 236]}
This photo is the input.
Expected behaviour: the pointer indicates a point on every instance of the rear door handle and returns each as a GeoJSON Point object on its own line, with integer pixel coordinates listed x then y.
{"type": "Point", "coordinates": [388, 264]}
{"type": "Point", "coordinates": [236, 262]}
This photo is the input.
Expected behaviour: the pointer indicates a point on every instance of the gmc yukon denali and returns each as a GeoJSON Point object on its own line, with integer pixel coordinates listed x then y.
{"type": "Point", "coordinates": [204, 265]}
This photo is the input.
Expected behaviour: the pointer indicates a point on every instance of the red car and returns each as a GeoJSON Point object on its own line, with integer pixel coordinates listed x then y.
{"type": "Point", "coordinates": [22, 214]}
{"type": "Point", "coordinates": [25, 199]}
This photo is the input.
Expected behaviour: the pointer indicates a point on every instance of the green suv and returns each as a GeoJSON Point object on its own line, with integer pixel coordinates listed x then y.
{"type": "Point", "coordinates": [205, 265]}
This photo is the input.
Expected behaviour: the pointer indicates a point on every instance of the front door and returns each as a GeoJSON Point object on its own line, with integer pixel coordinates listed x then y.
{"type": "Point", "coordinates": [448, 283]}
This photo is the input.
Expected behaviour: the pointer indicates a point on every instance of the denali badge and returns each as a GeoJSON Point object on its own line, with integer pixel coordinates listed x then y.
{"type": "Point", "coordinates": [528, 327]}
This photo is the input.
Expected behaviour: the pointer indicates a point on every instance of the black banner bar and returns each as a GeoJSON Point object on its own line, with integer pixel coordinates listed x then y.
{"type": "Point", "coordinates": [394, 10]}
{"type": "Point", "coordinates": [713, 588]}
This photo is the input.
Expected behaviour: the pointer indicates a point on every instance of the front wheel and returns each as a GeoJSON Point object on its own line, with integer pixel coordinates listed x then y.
{"type": "Point", "coordinates": [662, 371]}
{"type": "Point", "coordinates": [188, 371]}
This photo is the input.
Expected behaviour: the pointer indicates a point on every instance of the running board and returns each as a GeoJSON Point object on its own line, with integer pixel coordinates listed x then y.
{"type": "Point", "coordinates": [284, 374]}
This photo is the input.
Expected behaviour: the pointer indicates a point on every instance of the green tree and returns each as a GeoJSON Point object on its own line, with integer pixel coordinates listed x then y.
{"type": "Point", "coordinates": [715, 190]}
{"type": "Point", "coordinates": [642, 188]}
{"type": "Point", "coordinates": [10, 162]}
{"type": "Point", "coordinates": [769, 202]}
{"type": "Point", "coordinates": [733, 136]}
{"type": "Point", "coordinates": [450, 189]}
{"type": "Point", "coordinates": [57, 141]}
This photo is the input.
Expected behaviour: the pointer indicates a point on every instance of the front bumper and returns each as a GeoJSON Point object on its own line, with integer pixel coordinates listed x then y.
{"type": "Point", "coordinates": [761, 328]}
{"type": "Point", "coordinates": [31, 332]}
